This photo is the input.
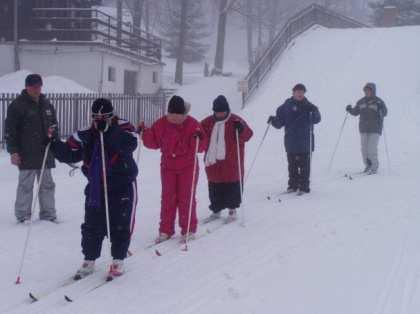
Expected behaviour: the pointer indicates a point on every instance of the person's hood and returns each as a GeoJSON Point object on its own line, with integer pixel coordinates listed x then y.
{"type": "Point", "coordinates": [371, 86]}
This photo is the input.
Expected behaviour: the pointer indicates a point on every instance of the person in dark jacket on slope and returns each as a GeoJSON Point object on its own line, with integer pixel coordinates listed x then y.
{"type": "Point", "coordinates": [372, 111]}
{"type": "Point", "coordinates": [298, 116]}
{"type": "Point", "coordinates": [28, 118]}
{"type": "Point", "coordinates": [120, 142]}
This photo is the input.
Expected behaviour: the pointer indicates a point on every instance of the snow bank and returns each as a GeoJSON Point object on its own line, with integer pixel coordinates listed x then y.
{"type": "Point", "coordinates": [15, 82]}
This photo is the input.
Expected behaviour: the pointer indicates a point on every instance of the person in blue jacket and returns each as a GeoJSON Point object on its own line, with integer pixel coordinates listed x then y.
{"type": "Point", "coordinates": [298, 116]}
{"type": "Point", "coordinates": [120, 142]}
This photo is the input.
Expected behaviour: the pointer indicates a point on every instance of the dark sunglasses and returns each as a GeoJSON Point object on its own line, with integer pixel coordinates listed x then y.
{"type": "Point", "coordinates": [102, 116]}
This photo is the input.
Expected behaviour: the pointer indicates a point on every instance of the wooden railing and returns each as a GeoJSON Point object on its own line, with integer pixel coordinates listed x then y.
{"type": "Point", "coordinates": [73, 110]}
{"type": "Point", "coordinates": [92, 25]}
{"type": "Point", "coordinates": [299, 23]}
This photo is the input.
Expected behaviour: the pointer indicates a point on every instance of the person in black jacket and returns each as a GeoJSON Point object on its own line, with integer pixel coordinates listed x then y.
{"type": "Point", "coordinates": [372, 111]}
{"type": "Point", "coordinates": [120, 142]}
{"type": "Point", "coordinates": [298, 116]}
{"type": "Point", "coordinates": [28, 118]}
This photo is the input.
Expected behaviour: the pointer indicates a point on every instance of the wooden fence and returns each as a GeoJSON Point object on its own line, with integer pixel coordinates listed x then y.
{"type": "Point", "coordinates": [73, 110]}
{"type": "Point", "coordinates": [296, 25]}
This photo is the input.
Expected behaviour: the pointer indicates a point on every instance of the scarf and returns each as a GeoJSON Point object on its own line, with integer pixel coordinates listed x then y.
{"type": "Point", "coordinates": [217, 146]}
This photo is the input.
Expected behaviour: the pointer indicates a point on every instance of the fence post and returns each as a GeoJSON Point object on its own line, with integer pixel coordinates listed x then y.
{"type": "Point", "coordinates": [3, 117]}
{"type": "Point", "coordinates": [76, 113]}
{"type": "Point", "coordinates": [138, 101]}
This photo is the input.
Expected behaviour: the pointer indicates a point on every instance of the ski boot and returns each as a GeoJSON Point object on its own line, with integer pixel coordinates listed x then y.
{"type": "Point", "coordinates": [187, 237]}
{"type": "Point", "coordinates": [232, 216]}
{"type": "Point", "coordinates": [212, 217]}
{"type": "Point", "coordinates": [303, 192]}
{"type": "Point", "coordinates": [87, 269]}
{"type": "Point", "coordinates": [291, 190]}
{"type": "Point", "coordinates": [116, 269]}
{"type": "Point", "coordinates": [162, 238]}
{"type": "Point", "coordinates": [372, 172]}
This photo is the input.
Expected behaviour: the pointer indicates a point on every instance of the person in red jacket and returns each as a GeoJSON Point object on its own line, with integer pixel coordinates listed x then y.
{"type": "Point", "coordinates": [176, 136]}
{"type": "Point", "coordinates": [221, 158]}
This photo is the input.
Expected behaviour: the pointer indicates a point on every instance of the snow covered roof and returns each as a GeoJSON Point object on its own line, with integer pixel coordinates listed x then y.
{"type": "Point", "coordinates": [14, 83]}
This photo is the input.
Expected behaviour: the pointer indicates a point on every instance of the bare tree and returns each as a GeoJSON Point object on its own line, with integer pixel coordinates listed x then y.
{"type": "Point", "coordinates": [249, 31]}
{"type": "Point", "coordinates": [179, 77]}
{"type": "Point", "coordinates": [221, 36]}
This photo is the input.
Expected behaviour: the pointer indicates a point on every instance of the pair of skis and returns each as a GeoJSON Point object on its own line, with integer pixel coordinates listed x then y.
{"type": "Point", "coordinates": [356, 175]}
{"type": "Point", "coordinates": [159, 249]}
{"type": "Point", "coordinates": [68, 283]}
{"type": "Point", "coordinates": [284, 195]}
{"type": "Point", "coordinates": [209, 227]}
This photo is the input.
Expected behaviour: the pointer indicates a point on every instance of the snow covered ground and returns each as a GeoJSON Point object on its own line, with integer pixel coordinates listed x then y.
{"type": "Point", "coordinates": [349, 247]}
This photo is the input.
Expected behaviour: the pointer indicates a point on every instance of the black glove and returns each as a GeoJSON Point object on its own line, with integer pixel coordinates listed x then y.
{"type": "Point", "coordinates": [199, 135]}
{"type": "Point", "coordinates": [52, 135]}
{"type": "Point", "coordinates": [271, 119]}
{"type": "Point", "coordinates": [141, 128]}
{"type": "Point", "coordinates": [312, 109]}
{"type": "Point", "coordinates": [348, 108]}
{"type": "Point", "coordinates": [238, 126]}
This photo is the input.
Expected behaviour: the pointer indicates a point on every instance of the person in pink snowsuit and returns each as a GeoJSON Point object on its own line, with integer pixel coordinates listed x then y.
{"type": "Point", "coordinates": [176, 135]}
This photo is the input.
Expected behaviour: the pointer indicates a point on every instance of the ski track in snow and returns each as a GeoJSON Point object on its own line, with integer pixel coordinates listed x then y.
{"type": "Point", "coordinates": [349, 247]}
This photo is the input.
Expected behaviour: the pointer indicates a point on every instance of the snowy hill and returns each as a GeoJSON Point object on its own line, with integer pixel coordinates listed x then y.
{"type": "Point", "coordinates": [349, 247]}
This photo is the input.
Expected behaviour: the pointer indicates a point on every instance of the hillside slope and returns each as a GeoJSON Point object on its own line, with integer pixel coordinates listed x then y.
{"type": "Point", "coordinates": [349, 247]}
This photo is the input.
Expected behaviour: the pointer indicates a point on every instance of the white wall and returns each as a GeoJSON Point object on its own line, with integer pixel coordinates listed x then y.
{"type": "Point", "coordinates": [6, 59]}
{"type": "Point", "coordinates": [145, 83]}
{"type": "Point", "coordinates": [73, 62]}
{"type": "Point", "coordinates": [87, 65]}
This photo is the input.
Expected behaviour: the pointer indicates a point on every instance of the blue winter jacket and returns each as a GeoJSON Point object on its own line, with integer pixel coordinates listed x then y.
{"type": "Point", "coordinates": [298, 118]}
{"type": "Point", "coordinates": [120, 143]}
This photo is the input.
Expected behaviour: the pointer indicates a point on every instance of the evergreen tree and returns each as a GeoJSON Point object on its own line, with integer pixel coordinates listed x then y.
{"type": "Point", "coordinates": [196, 29]}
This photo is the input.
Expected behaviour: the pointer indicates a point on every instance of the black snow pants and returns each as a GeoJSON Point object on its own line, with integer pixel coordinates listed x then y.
{"type": "Point", "coordinates": [122, 204]}
{"type": "Point", "coordinates": [224, 196]}
{"type": "Point", "coordinates": [299, 171]}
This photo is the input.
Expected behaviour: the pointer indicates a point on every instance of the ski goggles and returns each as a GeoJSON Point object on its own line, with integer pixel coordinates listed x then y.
{"type": "Point", "coordinates": [102, 116]}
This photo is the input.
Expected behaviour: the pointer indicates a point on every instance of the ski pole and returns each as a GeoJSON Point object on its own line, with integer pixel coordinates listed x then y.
{"type": "Point", "coordinates": [338, 142]}
{"type": "Point", "coordinates": [34, 202]}
{"type": "Point", "coordinates": [105, 183]}
{"type": "Point", "coordinates": [311, 133]}
{"type": "Point", "coordinates": [241, 187]}
{"type": "Point", "coordinates": [387, 151]}
{"type": "Point", "coordinates": [197, 143]}
{"type": "Point", "coordinates": [139, 148]}
{"type": "Point", "coordinates": [258, 151]}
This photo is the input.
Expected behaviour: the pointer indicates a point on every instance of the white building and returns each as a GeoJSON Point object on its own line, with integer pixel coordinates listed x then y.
{"type": "Point", "coordinates": [89, 47]}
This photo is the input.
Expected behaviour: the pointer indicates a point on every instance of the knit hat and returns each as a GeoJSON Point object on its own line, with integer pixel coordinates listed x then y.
{"type": "Point", "coordinates": [33, 80]}
{"type": "Point", "coordinates": [300, 87]}
{"type": "Point", "coordinates": [102, 107]}
{"type": "Point", "coordinates": [220, 104]}
{"type": "Point", "coordinates": [177, 105]}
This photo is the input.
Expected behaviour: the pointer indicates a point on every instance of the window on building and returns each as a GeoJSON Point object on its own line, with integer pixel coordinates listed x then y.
{"type": "Point", "coordinates": [155, 77]}
{"type": "Point", "coordinates": [112, 74]}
